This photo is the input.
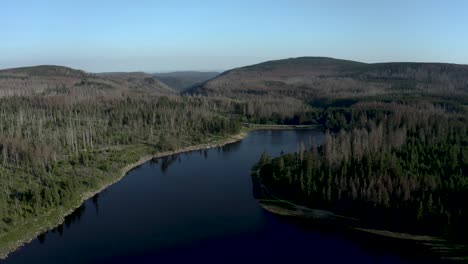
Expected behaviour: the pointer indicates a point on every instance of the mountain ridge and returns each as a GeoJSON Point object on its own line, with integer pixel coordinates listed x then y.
{"type": "Point", "coordinates": [183, 80]}
{"type": "Point", "coordinates": [54, 79]}
{"type": "Point", "coordinates": [310, 78]}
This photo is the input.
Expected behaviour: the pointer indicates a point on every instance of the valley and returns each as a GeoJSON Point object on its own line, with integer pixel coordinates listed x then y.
{"type": "Point", "coordinates": [395, 137]}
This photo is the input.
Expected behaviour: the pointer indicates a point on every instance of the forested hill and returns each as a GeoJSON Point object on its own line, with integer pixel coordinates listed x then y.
{"type": "Point", "coordinates": [316, 78]}
{"type": "Point", "coordinates": [184, 80]}
{"type": "Point", "coordinates": [44, 70]}
{"type": "Point", "coordinates": [53, 80]}
{"type": "Point", "coordinates": [65, 133]}
{"type": "Point", "coordinates": [139, 80]}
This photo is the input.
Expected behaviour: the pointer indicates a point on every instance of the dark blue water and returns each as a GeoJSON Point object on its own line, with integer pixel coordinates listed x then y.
{"type": "Point", "coordinates": [197, 207]}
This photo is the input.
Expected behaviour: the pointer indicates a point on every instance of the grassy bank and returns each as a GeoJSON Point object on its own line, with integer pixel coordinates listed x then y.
{"type": "Point", "coordinates": [131, 156]}
{"type": "Point", "coordinates": [437, 246]}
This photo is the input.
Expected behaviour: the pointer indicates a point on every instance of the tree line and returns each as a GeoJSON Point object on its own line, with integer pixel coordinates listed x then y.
{"type": "Point", "coordinates": [55, 147]}
{"type": "Point", "coordinates": [396, 166]}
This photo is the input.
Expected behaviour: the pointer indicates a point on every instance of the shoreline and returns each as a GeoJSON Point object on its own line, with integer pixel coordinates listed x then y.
{"type": "Point", "coordinates": [253, 126]}
{"type": "Point", "coordinates": [15, 245]}
{"type": "Point", "coordinates": [441, 247]}
{"type": "Point", "coordinates": [60, 218]}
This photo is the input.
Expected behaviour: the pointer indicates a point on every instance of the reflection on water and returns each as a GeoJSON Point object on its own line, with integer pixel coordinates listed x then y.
{"type": "Point", "coordinates": [230, 148]}
{"type": "Point", "coordinates": [41, 238]}
{"type": "Point", "coordinates": [75, 216]}
{"type": "Point", "coordinates": [198, 209]}
{"type": "Point", "coordinates": [71, 219]}
{"type": "Point", "coordinates": [167, 161]}
{"type": "Point", "coordinates": [95, 200]}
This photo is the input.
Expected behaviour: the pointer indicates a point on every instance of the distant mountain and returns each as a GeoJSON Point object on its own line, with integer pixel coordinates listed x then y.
{"type": "Point", "coordinates": [50, 79]}
{"type": "Point", "coordinates": [319, 78]}
{"type": "Point", "coordinates": [138, 80]}
{"type": "Point", "coordinates": [184, 80]}
{"type": "Point", "coordinates": [44, 70]}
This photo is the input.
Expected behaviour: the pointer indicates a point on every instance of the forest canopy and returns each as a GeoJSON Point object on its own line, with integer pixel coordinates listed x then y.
{"type": "Point", "coordinates": [399, 166]}
{"type": "Point", "coordinates": [395, 152]}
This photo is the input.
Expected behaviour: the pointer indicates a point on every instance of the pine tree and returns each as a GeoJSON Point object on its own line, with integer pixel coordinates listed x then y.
{"type": "Point", "coordinates": [265, 158]}
{"type": "Point", "coordinates": [420, 211]}
{"type": "Point", "coordinates": [430, 204]}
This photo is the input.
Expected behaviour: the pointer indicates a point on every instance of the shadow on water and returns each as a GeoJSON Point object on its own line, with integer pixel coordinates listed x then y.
{"type": "Point", "coordinates": [41, 238]}
{"type": "Point", "coordinates": [407, 249]}
{"type": "Point", "coordinates": [230, 148]}
{"type": "Point", "coordinates": [145, 219]}
{"type": "Point", "coordinates": [413, 249]}
{"type": "Point", "coordinates": [166, 162]}
{"type": "Point", "coordinates": [75, 216]}
{"type": "Point", "coordinates": [95, 201]}
{"type": "Point", "coordinates": [69, 220]}
{"type": "Point", "coordinates": [153, 161]}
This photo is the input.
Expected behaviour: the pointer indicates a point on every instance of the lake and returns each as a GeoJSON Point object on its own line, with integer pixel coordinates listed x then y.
{"type": "Point", "coordinates": [198, 207]}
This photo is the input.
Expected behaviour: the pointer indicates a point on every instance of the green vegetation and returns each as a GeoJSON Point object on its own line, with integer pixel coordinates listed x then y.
{"type": "Point", "coordinates": [395, 153]}
{"type": "Point", "coordinates": [65, 133]}
{"type": "Point", "coordinates": [52, 151]}
{"type": "Point", "coordinates": [399, 166]}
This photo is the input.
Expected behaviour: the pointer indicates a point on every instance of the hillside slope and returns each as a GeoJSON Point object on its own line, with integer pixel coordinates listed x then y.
{"type": "Point", "coordinates": [53, 80]}
{"type": "Point", "coordinates": [315, 78]}
{"type": "Point", "coordinates": [138, 80]}
{"type": "Point", "coordinates": [184, 80]}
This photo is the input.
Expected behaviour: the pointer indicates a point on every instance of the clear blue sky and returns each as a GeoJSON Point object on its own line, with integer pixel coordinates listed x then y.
{"type": "Point", "coordinates": [113, 35]}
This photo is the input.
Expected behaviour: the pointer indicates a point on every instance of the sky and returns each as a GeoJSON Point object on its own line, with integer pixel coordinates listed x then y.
{"type": "Point", "coordinates": [161, 36]}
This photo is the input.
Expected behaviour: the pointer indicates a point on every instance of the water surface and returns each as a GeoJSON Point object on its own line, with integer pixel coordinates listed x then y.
{"type": "Point", "coordinates": [196, 207]}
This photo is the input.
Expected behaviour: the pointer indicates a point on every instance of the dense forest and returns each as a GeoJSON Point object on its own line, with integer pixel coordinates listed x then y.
{"type": "Point", "coordinates": [41, 136]}
{"type": "Point", "coordinates": [399, 166]}
{"type": "Point", "coordinates": [395, 152]}
{"type": "Point", "coordinates": [323, 80]}
{"type": "Point", "coordinates": [77, 131]}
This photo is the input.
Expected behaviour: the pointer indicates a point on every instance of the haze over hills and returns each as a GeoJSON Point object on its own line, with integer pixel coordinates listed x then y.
{"type": "Point", "coordinates": [305, 78]}
{"type": "Point", "coordinates": [182, 80]}
{"type": "Point", "coordinates": [139, 80]}
{"type": "Point", "coordinates": [50, 79]}
{"type": "Point", "coordinates": [44, 70]}
{"type": "Point", "coordinates": [318, 78]}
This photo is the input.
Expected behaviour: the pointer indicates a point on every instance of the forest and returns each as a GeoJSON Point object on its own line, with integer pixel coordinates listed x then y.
{"type": "Point", "coordinates": [64, 132]}
{"type": "Point", "coordinates": [395, 154]}
{"type": "Point", "coordinates": [49, 147]}
{"type": "Point", "coordinates": [400, 166]}
{"type": "Point", "coordinates": [75, 134]}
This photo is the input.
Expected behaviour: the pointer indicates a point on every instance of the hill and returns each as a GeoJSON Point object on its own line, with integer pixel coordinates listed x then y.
{"type": "Point", "coordinates": [138, 81]}
{"type": "Point", "coordinates": [44, 70]}
{"type": "Point", "coordinates": [184, 80]}
{"type": "Point", "coordinates": [320, 78]}
{"type": "Point", "coordinates": [53, 80]}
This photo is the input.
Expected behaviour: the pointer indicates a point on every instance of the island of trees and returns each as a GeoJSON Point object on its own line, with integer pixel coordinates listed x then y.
{"type": "Point", "coordinates": [402, 167]}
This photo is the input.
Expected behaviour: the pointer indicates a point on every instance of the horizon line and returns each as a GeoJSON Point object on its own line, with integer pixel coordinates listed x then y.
{"type": "Point", "coordinates": [221, 70]}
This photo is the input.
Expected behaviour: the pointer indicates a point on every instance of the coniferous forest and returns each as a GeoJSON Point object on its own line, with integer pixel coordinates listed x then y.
{"type": "Point", "coordinates": [78, 131]}
{"type": "Point", "coordinates": [395, 154]}
{"type": "Point", "coordinates": [65, 133]}
{"type": "Point", "coordinates": [233, 131]}
{"type": "Point", "coordinates": [400, 166]}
